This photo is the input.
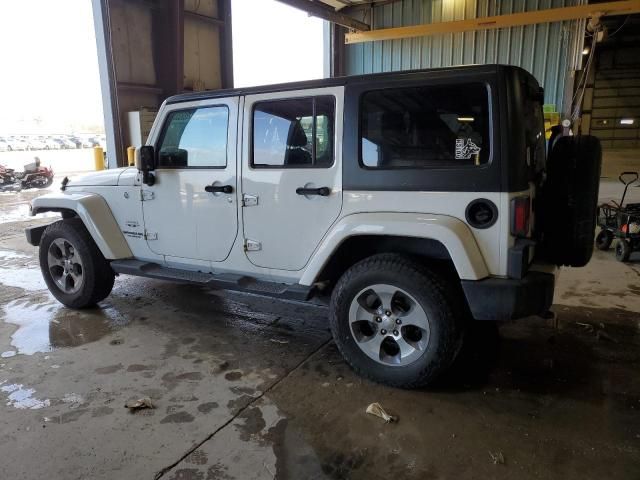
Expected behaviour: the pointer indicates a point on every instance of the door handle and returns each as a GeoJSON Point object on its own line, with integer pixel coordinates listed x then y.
{"type": "Point", "coordinates": [218, 189]}
{"type": "Point", "coordinates": [322, 191]}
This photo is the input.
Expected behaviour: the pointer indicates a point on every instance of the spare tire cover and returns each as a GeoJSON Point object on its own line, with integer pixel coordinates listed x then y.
{"type": "Point", "coordinates": [569, 198]}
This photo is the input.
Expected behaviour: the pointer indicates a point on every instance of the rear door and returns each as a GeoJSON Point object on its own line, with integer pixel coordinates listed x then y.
{"type": "Point", "coordinates": [291, 178]}
{"type": "Point", "coordinates": [190, 212]}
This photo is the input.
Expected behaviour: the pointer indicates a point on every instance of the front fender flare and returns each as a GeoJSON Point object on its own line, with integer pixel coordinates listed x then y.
{"type": "Point", "coordinates": [453, 233]}
{"type": "Point", "coordinates": [96, 215]}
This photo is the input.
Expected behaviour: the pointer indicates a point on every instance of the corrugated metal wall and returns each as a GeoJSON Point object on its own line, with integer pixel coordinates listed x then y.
{"type": "Point", "coordinates": [547, 50]}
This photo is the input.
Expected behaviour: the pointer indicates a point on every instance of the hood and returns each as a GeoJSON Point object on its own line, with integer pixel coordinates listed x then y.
{"type": "Point", "coordinates": [105, 178]}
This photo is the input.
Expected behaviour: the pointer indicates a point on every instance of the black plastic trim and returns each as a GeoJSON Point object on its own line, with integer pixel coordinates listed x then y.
{"type": "Point", "coordinates": [34, 234]}
{"type": "Point", "coordinates": [518, 258]}
{"type": "Point", "coordinates": [488, 203]}
{"type": "Point", "coordinates": [510, 299]}
{"type": "Point", "coordinates": [223, 281]}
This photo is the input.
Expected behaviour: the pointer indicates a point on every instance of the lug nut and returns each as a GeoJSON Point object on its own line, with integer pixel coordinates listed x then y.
{"type": "Point", "coordinates": [383, 332]}
{"type": "Point", "coordinates": [378, 319]}
{"type": "Point", "coordinates": [395, 332]}
{"type": "Point", "coordinates": [388, 313]}
{"type": "Point", "coordinates": [398, 321]}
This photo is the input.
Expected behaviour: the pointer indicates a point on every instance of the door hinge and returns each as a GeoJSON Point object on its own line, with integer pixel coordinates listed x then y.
{"type": "Point", "coordinates": [146, 195]}
{"type": "Point", "coordinates": [150, 236]}
{"type": "Point", "coordinates": [252, 245]}
{"type": "Point", "coordinates": [249, 200]}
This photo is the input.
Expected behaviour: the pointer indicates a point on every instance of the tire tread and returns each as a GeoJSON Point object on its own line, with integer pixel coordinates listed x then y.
{"type": "Point", "coordinates": [446, 299]}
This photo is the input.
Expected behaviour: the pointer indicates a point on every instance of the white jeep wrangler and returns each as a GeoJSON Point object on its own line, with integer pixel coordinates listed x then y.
{"type": "Point", "coordinates": [415, 201]}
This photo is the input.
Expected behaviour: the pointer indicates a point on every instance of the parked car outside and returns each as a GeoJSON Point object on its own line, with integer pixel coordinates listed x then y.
{"type": "Point", "coordinates": [36, 144]}
{"type": "Point", "coordinates": [17, 144]}
{"type": "Point", "coordinates": [51, 144]}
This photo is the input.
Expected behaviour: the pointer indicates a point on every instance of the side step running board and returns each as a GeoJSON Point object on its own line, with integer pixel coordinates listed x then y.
{"type": "Point", "coordinates": [222, 281]}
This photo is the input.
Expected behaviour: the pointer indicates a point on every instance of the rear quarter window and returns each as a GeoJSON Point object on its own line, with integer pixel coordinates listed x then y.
{"type": "Point", "coordinates": [443, 126]}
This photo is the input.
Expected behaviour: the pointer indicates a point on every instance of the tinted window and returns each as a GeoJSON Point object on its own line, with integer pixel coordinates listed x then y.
{"type": "Point", "coordinates": [195, 138]}
{"type": "Point", "coordinates": [284, 133]}
{"type": "Point", "coordinates": [425, 127]}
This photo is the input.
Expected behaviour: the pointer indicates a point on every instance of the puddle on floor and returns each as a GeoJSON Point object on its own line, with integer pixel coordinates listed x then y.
{"type": "Point", "coordinates": [43, 327]}
{"type": "Point", "coordinates": [25, 278]}
{"type": "Point", "coordinates": [21, 271]}
{"type": "Point", "coordinates": [20, 212]}
{"type": "Point", "coordinates": [22, 397]}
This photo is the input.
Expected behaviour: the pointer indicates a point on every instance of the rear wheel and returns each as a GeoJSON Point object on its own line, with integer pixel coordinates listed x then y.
{"type": "Point", "coordinates": [623, 250]}
{"type": "Point", "coordinates": [72, 265]}
{"type": "Point", "coordinates": [604, 240]}
{"type": "Point", "coordinates": [396, 322]}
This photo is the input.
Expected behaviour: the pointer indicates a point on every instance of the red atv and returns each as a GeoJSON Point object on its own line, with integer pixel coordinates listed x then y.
{"type": "Point", "coordinates": [33, 176]}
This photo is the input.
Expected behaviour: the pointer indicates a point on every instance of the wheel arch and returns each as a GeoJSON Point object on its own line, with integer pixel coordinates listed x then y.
{"type": "Point", "coordinates": [96, 216]}
{"type": "Point", "coordinates": [433, 238]}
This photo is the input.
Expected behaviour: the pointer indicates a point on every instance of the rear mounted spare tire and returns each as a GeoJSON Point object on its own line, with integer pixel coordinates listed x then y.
{"type": "Point", "coordinates": [569, 197]}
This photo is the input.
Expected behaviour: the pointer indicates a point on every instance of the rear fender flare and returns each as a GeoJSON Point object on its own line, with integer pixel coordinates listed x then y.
{"type": "Point", "coordinates": [453, 233]}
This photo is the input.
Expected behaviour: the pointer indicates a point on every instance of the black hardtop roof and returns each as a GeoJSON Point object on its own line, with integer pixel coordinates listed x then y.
{"type": "Point", "coordinates": [337, 81]}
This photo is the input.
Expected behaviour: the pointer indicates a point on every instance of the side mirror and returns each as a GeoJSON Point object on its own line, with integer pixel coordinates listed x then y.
{"type": "Point", "coordinates": [146, 163]}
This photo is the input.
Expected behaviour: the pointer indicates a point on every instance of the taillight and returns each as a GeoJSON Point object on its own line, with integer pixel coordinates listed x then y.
{"type": "Point", "coordinates": [520, 214]}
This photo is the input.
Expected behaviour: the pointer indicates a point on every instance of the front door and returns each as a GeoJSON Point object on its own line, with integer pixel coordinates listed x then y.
{"type": "Point", "coordinates": [190, 212]}
{"type": "Point", "coordinates": [291, 178]}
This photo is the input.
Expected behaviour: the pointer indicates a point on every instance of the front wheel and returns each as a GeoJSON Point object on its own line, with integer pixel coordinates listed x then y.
{"type": "Point", "coordinates": [396, 322]}
{"type": "Point", "coordinates": [604, 239]}
{"type": "Point", "coordinates": [623, 250]}
{"type": "Point", "coordinates": [73, 267]}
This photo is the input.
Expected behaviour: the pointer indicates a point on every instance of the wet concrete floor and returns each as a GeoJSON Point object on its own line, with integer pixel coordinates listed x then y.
{"type": "Point", "coordinates": [252, 388]}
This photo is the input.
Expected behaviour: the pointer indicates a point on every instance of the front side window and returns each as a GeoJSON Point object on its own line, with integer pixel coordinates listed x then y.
{"type": "Point", "coordinates": [294, 133]}
{"type": "Point", "coordinates": [425, 127]}
{"type": "Point", "coordinates": [195, 138]}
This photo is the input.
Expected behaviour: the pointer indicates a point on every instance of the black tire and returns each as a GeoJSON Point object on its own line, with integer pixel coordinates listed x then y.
{"type": "Point", "coordinates": [98, 277]}
{"type": "Point", "coordinates": [440, 300]}
{"type": "Point", "coordinates": [623, 250]}
{"type": "Point", "coordinates": [604, 240]}
{"type": "Point", "coordinates": [569, 200]}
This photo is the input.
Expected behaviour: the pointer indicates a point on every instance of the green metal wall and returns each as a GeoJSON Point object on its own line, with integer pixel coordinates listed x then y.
{"type": "Point", "coordinates": [547, 50]}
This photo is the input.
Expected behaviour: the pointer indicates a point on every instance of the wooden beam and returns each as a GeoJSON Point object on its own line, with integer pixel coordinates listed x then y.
{"type": "Point", "coordinates": [325, 12]}
{"type": "Point", "coordinates": [204, 18]}
{"type": "Point", "coordinates": [499, 21]}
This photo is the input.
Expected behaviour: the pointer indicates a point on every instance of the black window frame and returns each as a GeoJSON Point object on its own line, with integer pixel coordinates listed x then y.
{"type": "Point", "coordinates": [313, 166]}
{"type": "Point", "coordinates": [165, 127]}
{"type": "Point", "coordinates": [490, 133]}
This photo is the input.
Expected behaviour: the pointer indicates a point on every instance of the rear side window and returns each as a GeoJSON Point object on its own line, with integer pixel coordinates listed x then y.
{"type": "Point", "coordinates": [425, 127]}
{"type": "Point", "coordinates": [294, 133]}
{"type": "Point", "coordinates": [195, 138]}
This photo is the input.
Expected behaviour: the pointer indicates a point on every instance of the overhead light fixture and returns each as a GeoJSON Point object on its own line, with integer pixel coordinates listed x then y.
{"type": "Point", "coordinates": [627, 121]}
{"type": "Point", "coordinates": [586, 51]}
{"type": "Point", "coordinates": [466, 119]}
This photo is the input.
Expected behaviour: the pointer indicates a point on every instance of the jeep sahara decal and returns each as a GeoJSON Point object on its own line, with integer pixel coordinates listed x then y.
{"type": "Point", "coordinates": [466, 150]}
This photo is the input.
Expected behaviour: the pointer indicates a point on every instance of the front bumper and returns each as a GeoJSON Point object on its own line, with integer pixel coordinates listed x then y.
{"type": "Point", "coordinates": [509, 298]}
{"type": "Point", "coordinates": [34, 234]}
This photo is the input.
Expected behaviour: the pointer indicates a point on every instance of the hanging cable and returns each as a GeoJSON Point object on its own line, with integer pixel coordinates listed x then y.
{"type": "Point", "coordinates": [578, 96]}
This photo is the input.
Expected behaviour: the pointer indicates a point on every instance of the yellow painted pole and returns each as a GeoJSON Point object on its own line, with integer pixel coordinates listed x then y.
{"type": "Point", "coordinates": [131, 156]}
{"type": "Point", "coordinates": [98, 158]}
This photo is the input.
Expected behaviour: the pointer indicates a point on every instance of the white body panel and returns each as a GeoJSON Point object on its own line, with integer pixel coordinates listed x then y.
{"type": "Point", "coordinates": [183, 221]}
{"type": "Point", "coordinates": [103, 177]}
{"type": "Point", "coordinates": [289, 226]}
